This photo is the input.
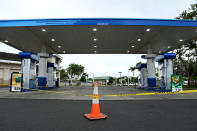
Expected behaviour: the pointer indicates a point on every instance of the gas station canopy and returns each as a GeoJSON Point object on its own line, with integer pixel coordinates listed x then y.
{"type": "Point", "coordinates": [101, 36]}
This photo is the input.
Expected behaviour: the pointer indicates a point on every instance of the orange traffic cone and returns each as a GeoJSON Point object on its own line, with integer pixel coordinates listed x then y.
{"type": "Point", "coordinates": [95, 112]}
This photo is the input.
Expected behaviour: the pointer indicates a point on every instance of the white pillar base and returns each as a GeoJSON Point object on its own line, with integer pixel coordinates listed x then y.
{"type": "Point", "coordinates": [42, 71]}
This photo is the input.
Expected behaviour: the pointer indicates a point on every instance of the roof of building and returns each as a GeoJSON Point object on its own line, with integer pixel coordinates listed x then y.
{"type": "Point", "coordinates": [9, 56]}
{"type": "Point", "coordinates": [101, 78]}
{"type": "Point", "coordinates": [98, 35]}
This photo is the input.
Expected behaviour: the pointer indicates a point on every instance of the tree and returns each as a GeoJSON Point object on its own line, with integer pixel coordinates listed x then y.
{"type": "Point", "coordinates": [111, 80]}
{"type": "Point", "coordinates": [75, 70]}
{"type": "Point", "coordinates": [84, 77]}
{"type": "Point", "coordinates": [132, 69]}
{"type": "Point", "coordinates": [63, 75]}
{"type": "Point", "coordinates": [186, 60]}
{"type": "Point", "coordinates": [123, 81]}
{"type": "Point", "coordinates": [191, 13]}
{"type": "Point", "coordinates": [119, 79]}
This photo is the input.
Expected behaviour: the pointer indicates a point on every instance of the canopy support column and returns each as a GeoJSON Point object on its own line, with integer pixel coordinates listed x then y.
{"type": "Point", "coordinates": [150, 69]}
{"type": "Point", "coordinates": [42, 72]}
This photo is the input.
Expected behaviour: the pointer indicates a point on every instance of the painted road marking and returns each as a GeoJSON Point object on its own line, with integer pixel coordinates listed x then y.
{"type": "Point", "coordinates": [54, 91]}
{"type": "Point", "coordinates": [95, 96]}
{"type": "Point", "coordinates": [152, 93]}
{"type": "Point", "coordinates": [137, 94]}
{"type": "Point", "coordinates": [40, 90]}
{"type": "Point", "coordinates": [4, 85]}
{"type": "Point", "coordinates": [87, 95]}
{"type": "Point", "coordinates": [59, 92]}
{"type": "Point", "coordinates": [156, 93]}
{"type": "Point", "coordinates": [63, 92]}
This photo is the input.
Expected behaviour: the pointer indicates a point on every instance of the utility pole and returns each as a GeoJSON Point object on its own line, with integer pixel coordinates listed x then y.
{"type": "Point", "coordinates": [120, 79]}
{"type": "Point", "coordinates": [70, 78]}
{"type": "Point", "coordinates": [115, 80]}
{"type": "Point", "coordinates": [93, 79]}
{"type": "Point", "coordinates": [128, 77]}
{"type": "Point", "coordinates": [133, 78]}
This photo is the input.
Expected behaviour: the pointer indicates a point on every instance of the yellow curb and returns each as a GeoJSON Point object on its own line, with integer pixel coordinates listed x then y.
{"type": "Point", "coordinates": [87, 95]}
{"type": "Point", "coordinates": [67, 93]}
{"type": "Point", "coordinates": [155, 93]}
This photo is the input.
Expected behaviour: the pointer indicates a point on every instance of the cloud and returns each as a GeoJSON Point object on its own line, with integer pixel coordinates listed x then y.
{"type": "Point", "coordinates": [28, 9]}
{"type": "Point", "coordinates": [103, 65]}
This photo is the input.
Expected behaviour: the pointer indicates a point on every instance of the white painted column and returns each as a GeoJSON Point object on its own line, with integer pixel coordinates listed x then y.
{"type": "Point", "coordinates": [151, 67]}
{"type": "Point", "coordinates": [139, 78]}
{"type": "Point", "coordinates": [42, 72]}
{"type": "Point", "coordinates": [168, 72]}
{"type": "Point", "coordinates": [144, 77]}
{"type": "Point", "coordinates": [151, 63]}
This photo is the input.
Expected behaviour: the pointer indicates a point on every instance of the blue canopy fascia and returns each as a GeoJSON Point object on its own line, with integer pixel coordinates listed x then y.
{"type": "Point", "coordinates": [98, 21]}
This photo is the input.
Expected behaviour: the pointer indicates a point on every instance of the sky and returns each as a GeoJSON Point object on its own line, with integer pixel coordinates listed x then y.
{"type": "Point", "coordinates": [97, 64]}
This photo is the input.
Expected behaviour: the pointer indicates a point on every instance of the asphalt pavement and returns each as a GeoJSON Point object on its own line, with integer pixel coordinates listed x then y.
{"type": "Point", "coordinates": [124, 115]}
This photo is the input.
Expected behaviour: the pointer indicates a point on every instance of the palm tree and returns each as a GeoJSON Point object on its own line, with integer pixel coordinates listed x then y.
{"type": "Point", "coordinates": [132, 69]}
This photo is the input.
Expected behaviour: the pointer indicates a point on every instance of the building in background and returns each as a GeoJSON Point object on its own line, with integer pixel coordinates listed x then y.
{"type": "Point", "coordinates": [8, 63]}
{"type": "Point", "coordinates": [102, 81]}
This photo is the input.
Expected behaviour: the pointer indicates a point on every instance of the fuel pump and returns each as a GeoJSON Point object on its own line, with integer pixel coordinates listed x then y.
{"type": "Point", "coordinates": [142, 68]}
{"type": "Point", "coordinates": [28, 69]}
{"type": "Point", "coordinates": [52, 78]}
{"type": "Point", "coordinates": [165, 70]}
